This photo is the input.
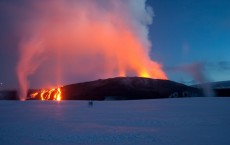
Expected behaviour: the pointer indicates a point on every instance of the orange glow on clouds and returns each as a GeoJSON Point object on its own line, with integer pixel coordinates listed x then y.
{"type": "Point", "coordinates": [84, 39]}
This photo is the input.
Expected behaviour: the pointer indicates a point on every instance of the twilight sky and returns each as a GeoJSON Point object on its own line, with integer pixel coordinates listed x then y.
{"type": "Point", "coordinates": [188, 32]}
{"type": "Point", "coordinates": [188, 38]}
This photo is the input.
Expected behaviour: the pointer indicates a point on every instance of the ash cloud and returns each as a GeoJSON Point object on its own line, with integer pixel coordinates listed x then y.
{"type": "Point", "coordinates": [64, 41]}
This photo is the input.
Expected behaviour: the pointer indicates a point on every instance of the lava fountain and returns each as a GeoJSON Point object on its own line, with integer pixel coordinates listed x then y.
{"type": "Point", "coordinates": [65, 41]}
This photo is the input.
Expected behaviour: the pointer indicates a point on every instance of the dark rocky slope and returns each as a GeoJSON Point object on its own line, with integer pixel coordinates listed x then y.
{"type": "Point", "coordinates": [127, 88]}
{"type": "Point", "coordinates": [120, 88]}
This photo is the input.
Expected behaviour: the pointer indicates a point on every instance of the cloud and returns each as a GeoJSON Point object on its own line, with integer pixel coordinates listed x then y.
{"type": "Point", "coordinates": [67, 41]}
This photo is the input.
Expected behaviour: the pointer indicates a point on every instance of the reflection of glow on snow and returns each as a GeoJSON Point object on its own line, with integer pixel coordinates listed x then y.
{"type": "Point", "coordinates": [181, 121]}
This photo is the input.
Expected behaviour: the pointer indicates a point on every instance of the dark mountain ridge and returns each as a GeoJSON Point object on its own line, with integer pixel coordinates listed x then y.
{"type": "Point", "coordinates": [127, 88]}
{"type": "Point", "coordinates": [221, 88]}
{"type": "Point", "coordinates": [123, 88]}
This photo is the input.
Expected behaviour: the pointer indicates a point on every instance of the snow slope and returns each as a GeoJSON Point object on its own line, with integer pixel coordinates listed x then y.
{"type": "Point", "coordinates": [182, 121]}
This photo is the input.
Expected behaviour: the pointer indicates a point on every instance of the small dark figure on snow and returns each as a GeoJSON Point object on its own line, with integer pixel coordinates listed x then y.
{"type": "Point", "coordinates": [90, 104]}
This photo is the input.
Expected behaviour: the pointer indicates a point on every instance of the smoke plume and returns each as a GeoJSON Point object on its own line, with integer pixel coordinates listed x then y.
{"type": "Point", "coordinates": [196, 70]}
{"type": "Point", "coordinates": [84, 38]}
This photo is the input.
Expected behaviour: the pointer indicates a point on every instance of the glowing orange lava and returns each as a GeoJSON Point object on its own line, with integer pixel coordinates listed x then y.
{"type": "Point", "coordinates": [68, 41]}
{"type": "Point", "coordinates": [54, 94]}
{"type": "Point", "coordinates": [144, 74]}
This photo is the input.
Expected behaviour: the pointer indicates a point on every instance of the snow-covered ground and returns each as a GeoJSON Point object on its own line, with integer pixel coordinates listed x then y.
{"type": "Point", "coordinates": [185, 121]}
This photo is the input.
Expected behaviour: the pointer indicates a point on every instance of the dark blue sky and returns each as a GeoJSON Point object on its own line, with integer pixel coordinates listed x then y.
{"type": "Point", "coordinates": [185, 32]}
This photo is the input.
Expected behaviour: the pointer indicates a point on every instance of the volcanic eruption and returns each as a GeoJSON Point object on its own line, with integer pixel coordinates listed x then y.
{"type": "Point", "coordinates": [50, 94]}
{"type": "Point", "coordinates": [65, 41]}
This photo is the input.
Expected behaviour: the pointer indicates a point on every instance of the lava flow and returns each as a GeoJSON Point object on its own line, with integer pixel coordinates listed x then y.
{"type": "Point", "coordinates": [77, 40]}
{"type": "Point", "coordinates": [47, 94]}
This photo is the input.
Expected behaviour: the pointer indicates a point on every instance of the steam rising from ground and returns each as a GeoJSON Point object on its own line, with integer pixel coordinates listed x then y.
{"type": "Point", "coordinates": [87, 39]}
{"type": "Point", "coordinates": [196, 70]}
